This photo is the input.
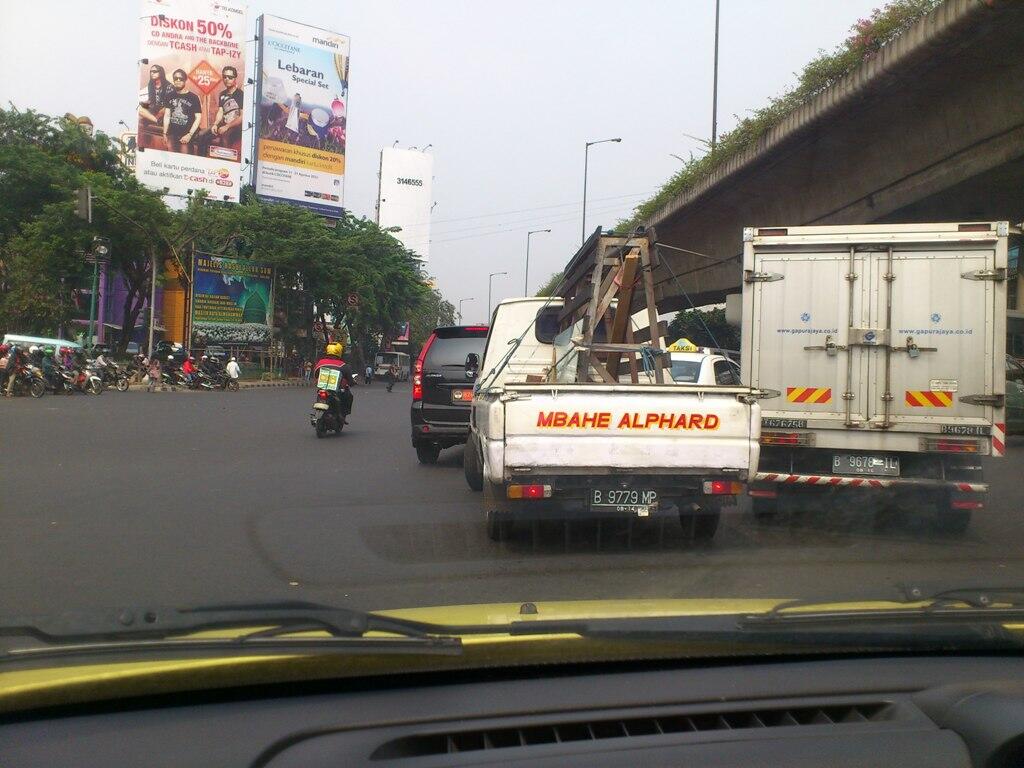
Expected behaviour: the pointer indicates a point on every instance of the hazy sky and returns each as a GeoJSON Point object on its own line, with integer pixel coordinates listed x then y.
{"type": "Point", "coordinates": [507, 94]}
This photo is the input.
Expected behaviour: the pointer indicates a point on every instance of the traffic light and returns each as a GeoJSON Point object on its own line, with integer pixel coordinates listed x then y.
{"type": "Point", "coordinates": [83, 204]}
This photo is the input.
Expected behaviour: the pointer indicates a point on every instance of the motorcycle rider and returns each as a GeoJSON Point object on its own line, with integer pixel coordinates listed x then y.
{"type": "Point", "coordinates": [169, 372]}
{"type": "Point", "coordinates": [188, 368]}
{"type": "Point", "coordinates": [50, 375]}
{"type": "Point", "coordinates": [332, 358]}
{"type": "Point", "coordinates": [232, 369]}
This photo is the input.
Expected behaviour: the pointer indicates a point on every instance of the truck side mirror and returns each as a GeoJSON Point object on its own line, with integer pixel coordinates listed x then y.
{"type": "Point", "coordinates": [472, 365]}
{"type": "Point", "coordinates": [734, 309]}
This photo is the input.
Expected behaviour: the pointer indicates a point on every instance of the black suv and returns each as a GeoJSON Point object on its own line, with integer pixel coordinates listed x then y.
{"type": "Point", "coordinates": [442, 388]}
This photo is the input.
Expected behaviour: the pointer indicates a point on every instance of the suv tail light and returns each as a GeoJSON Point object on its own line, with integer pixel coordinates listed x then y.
{"type": "Point", "coordinates": [417, 377]}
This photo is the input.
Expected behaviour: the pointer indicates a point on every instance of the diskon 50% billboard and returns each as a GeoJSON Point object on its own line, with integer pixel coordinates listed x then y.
{"type": "Point", "coordinates": [302, 119]}
{"type": "Point", "coordinates": [191, 75]}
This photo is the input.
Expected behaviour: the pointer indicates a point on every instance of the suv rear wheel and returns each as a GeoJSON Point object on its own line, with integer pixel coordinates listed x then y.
{"type": "Point", "coordinates": [427, 453]}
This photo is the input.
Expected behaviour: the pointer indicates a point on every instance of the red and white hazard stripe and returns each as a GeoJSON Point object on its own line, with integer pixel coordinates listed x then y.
{"type": "Point", "coordinates": [861, 482]}
{"type": "Point", "coordinates": [999, 439]}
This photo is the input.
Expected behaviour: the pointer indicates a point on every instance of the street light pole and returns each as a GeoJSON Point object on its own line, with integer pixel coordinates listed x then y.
{"type": "Point", "coordinates": [460, 308]}
{"type": "Point", "coordinates": [490, 277]}
{"type": "Point", "coordinates": [714, 90]}
{"type": "Point", "coordinates": [586, 162]}
{"type": "Point", "coordinates": [100, 250]}
{"type": "Point", "coordinates": [526, 278]}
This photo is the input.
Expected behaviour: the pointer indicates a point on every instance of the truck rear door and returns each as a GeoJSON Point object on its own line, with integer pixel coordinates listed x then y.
{"type": "Point", "coordinates": [880, 329]}
{"type": "Point", "coordinates": [803, 298]}
{"type": "Point", "coordinates": [937, 310]}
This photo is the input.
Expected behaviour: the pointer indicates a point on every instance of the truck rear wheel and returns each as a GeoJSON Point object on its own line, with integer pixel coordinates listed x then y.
{"type": "Point", "coordinates": [705, 524]}
{"type": "Point", "coordinates": [952, 521]}
{"type": "Point", "coordinates": [497, 526]}
{"type": "Point", "coordinates": [471, 464]}
{"type": "Point", "coordinates": [765, 510]}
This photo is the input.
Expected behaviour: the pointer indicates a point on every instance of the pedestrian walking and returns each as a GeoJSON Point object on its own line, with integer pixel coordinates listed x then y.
{"type": "Point", "coordinates": [155, 373]}
{"type": "Point", "coordinates": [392, 375]}
{"type": "Point", "coordinates": [309, 371]}
{"type": "Point", "coordinates": [369, 374]}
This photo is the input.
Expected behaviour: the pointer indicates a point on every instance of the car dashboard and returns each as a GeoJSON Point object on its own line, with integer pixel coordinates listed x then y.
{"type": "Point", "coordinates": [842, 712]}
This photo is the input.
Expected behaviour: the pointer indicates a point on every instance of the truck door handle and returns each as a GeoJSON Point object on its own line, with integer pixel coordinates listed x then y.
{"type": "Point", "coordinates": [830, 347]}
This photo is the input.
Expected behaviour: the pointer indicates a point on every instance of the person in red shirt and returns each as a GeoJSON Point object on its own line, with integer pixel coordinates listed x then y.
{"type": "Point", "coordinates": [188, 368]}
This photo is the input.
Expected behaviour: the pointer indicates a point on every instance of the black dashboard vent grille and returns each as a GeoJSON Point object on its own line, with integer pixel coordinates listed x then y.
{"type": "Point", "coordinates": [453, 742]}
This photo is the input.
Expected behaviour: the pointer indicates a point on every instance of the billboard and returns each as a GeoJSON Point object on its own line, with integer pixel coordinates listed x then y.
{"type": "Point", "coordinates": [191, 76]}
{"type": "Point", "coordinates": [301, 121]}
{"type": "Point", "coordinates": [405, 197]}
{"type": "Point", "coordinates": [232, 300]}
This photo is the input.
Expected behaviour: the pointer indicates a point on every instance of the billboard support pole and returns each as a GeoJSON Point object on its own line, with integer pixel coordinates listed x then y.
{"type": "Point", "coordinates": [152, 301]}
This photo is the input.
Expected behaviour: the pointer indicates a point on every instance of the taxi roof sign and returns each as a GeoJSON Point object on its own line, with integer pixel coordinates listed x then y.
{"type": "Point", "coordinates": [683, 345]}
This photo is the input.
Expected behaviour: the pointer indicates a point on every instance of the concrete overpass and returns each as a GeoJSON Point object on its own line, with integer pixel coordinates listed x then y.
{"type": "Point", "coordinates": [930, 129]}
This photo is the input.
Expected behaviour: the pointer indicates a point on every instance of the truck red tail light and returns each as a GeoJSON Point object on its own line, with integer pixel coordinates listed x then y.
{"type": "Point", "coordinates": [787, 438]}
{"type": "Point", "coordinates": [949, 445]}
{"type": "Point", "coordinates": [967, 504]}
{"type": "Point", "coordinates": [529, 492]}
{"type": "Point", "coordinates": [722, 488]}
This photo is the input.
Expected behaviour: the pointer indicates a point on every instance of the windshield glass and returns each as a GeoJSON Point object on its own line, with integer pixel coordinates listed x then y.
{"type": "Point", "coordinates": [763, 342]}
{"type": "Point", "coordinates": [685, 371]}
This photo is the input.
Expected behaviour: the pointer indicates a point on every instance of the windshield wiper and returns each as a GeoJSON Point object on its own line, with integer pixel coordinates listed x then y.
{"type": "Point", "coordinates": [952, 606]}
{"type": "Point", "coordinates": [158, 628]}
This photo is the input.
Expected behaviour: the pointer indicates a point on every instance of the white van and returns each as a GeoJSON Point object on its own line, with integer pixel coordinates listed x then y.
{"type": "Point", "coordinates": [39, 341]}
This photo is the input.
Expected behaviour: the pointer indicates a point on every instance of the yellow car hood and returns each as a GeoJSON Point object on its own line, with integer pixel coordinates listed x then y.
{"type": "Point", "coordinates": [54, 685]}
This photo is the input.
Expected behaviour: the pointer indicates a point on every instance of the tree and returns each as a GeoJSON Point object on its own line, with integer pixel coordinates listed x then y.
{"type": "Point", "coordinates": [43, 244]}
{"type": "Point", "coordinates": [549, 287]}
{"type": "Point", "coordinates": [432, 312]}
{"type": "Point", "coordinates": [695, 325]}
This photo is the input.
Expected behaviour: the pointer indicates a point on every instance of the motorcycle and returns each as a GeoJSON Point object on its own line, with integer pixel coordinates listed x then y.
{"type": "Point", "coordinates": [29, 379]}
{"type": "Point", "coordinates": [326, 416]}
{"type": "Point", "coordinates": [113, 375]}
{"type": "Point", "coordinates": [222, 381]}
{"type": "Point", "coordinates": [90, 381]}
{"type": "Point", "coordinates": [173, 378]}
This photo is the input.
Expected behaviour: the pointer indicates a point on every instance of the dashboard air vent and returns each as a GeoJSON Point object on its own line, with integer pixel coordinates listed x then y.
{"type": "Point", "coordinates": [422, 745]}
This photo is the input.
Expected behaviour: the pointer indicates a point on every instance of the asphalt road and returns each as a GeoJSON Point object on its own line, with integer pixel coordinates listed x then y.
{"type": "Point", "coordinates": [193, 498]}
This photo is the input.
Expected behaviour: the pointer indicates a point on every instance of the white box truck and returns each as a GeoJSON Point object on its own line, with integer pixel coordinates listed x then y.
{"type": "Point", "coordinates": [885, 344]}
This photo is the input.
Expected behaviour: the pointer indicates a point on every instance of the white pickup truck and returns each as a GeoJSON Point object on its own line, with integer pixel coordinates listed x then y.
{"type": "Point", "coordinates": [543, 446]}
